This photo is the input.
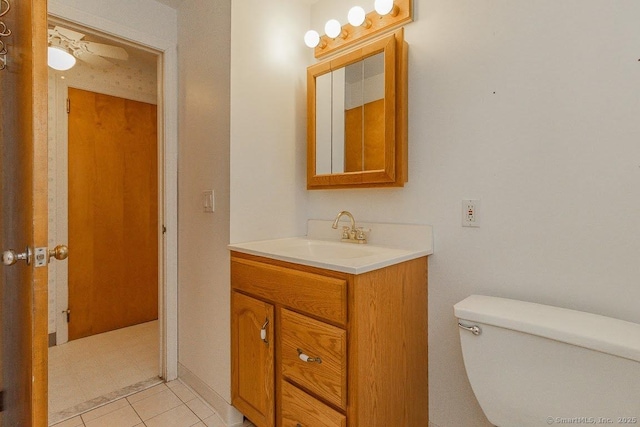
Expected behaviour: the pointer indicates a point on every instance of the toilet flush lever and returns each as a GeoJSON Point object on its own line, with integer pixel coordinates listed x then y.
{"type": "Point", "coordinates": [474, 329]}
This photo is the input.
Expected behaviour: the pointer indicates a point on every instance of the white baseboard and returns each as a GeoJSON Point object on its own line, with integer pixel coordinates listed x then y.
{"type": "Point", "coordinates": [229, 415]}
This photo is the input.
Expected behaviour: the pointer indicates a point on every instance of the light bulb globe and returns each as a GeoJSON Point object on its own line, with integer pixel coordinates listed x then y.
{"type": "Point", "coordinates": [59, 59]}
{"type": "Point", "coordinates": [356, 16]}
{"type": "Point", "coordinates": [311, 38]}
{"type": "Point", "coordinates": [333, 28]}
{"type": "Point", "coordinates": [383, 7]}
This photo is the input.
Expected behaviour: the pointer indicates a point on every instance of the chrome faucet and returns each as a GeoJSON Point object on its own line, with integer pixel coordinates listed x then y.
{"type": "Point", "coordinates": [351, 234]}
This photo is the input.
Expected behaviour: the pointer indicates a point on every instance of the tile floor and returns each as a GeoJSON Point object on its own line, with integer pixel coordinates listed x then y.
{"type": "Point", "coordinates": [111, 380]}
{"type": "Point", "coordinates": [164, 405]}
{"type": "Point", "coordinates": [92, 371]}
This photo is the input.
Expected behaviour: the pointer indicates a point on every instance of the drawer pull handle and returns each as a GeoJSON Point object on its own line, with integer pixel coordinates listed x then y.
{"type": "Point", "coordinates": [308, 359]}
{"type": "Point", "coordinates": [263, 331]}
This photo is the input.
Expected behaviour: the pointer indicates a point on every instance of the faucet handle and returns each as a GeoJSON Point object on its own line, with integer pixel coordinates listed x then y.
{"type": "Point", "coordinates": [360, 233]}
{"type": "Point", "coordinates": [345, 232]}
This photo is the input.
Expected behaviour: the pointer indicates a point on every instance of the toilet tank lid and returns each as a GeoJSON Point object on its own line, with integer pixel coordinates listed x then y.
{"type": "Point", "coordinates": [600, 333]}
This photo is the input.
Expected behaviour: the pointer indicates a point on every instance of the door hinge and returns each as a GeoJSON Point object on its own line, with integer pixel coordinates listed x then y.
{"type": "Point", "coordinates": [68, 313]}
{"type": "Point", "coordinates": [1, 400]}
{"type": "Point", "coordinates": [68, 105]}
{"type": "Point", "coordinates": [164, 229]}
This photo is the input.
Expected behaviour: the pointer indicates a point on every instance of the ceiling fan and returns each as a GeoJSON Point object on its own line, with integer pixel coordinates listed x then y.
{"type": "Point", "coordinates": [71, 42]}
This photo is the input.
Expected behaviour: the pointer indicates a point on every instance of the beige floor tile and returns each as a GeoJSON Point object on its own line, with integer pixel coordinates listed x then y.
{"type": "Point", "coordinates": [156, 404]}
{"type": "Point", "coordinates": [100, 365]}
{"type": "Point", "coordinates": [180, 416]}
{"type": "Point", "coordinates": [201, 409]}
{"type": "Point", "coordinates": [73, 422]}
{"type": "Point", "coordinates": [214, 421]}
{"type": "Point", "coordinates": [104, 410]}
{"type": "Point", "coordinates": [146, 393]}
{"type": "Point", "coordinates": [124, 417]}
{"type": "Point", "coordinates": [182, 391]}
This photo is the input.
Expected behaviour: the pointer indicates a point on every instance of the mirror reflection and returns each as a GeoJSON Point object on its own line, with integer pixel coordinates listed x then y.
{"type": "Point", "coordinates": [350, 107]}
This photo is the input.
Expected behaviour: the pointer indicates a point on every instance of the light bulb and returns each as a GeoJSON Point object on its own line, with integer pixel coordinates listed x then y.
{"type": "Point", "coordinates": [311, 38]}
{"type": "Point", "coordinates": [386, 7]}
{"type": "Point", "coordinates": [356, 16]}
{"type": "Point", "coordinates": [333, 28]}
{"type": "Point", "coordinates": [59, 59]}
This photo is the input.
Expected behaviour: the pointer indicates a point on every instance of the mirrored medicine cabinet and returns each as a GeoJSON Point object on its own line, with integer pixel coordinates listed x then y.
{"type": "Point", "coordinates": [357, 117]}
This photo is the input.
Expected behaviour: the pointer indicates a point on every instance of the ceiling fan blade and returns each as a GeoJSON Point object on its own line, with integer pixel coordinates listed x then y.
{"type": "Point", "coordinates": [93, 60]}
{"type": "Point", "coordinates": [106, 50]}
{"type": "Point", "coordinates": [70, 34]}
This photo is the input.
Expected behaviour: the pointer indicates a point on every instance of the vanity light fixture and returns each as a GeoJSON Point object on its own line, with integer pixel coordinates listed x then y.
{"type": "Point", "coordinates": [388, 15]}
{"type": "Point", "coordinates": [333, 29]}
{"type": "Point", "coordinates": [358, 17]}
{"type": "Point", "coordinates": [59, 58]}
{"type": "Point", "coordinates": [386, 7]}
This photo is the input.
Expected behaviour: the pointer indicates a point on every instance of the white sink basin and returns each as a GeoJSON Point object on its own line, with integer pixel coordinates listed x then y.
{"type": "Point", "coordinates": [332, 255]}
{"type": "Point", "coordinates": [320, 249]}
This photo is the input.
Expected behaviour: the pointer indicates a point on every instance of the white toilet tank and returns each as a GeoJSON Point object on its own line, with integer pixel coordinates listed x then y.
{"type": "Point", "coordinates": [537, 365]}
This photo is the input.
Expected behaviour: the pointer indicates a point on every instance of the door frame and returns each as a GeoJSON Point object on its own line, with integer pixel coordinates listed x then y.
{"type": "Point", "coordinates": [168, 168]}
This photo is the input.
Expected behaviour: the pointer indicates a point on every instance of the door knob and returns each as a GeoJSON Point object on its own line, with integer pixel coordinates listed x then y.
{"type": "Point", "coordinates": [10, 257]}
{"type": "Point", "coordinates": [60, 252]}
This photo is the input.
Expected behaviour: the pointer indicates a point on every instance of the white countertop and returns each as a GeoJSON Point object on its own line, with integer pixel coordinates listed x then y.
{"type": "Point", "coordinates": [388, 244]}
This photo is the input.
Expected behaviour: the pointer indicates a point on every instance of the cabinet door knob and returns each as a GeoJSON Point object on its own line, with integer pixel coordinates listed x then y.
{"type": "Point", "coordinates": [263, 331]}
{"type": "Point", "coordinates": [308, 359]}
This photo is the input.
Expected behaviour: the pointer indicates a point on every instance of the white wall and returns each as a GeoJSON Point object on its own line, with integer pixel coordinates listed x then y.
{"type": "Point", "coordinates": [204, 320]}
{"type": "Point", "coordinates": [533, 108]}
{"type": "Point", "coordinates": [268, 119]}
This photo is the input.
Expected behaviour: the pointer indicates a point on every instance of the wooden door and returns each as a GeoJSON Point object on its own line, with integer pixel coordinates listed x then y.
{"type": "Point", "coordinates": [113, 213]}
{"type": "Point", "coordinates": [23, 214]}
{"type": "Point", "coordinates": [252, 359]}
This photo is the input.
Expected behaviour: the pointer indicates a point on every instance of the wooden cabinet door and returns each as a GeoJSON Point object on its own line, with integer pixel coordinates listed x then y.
{"type": "Point", "coordinates": [252, 359]}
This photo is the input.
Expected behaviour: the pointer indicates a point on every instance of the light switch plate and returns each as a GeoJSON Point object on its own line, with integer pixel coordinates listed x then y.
{"type": "Point", "coordinates": [208, 201]}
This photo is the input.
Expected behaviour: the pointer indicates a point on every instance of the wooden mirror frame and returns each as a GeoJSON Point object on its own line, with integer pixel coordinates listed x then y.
{"type": "Point", "coordinates": [394, 173]}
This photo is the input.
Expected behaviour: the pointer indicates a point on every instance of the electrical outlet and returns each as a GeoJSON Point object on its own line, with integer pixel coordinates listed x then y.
{"type": "Point", "coordinates": [470, 213]}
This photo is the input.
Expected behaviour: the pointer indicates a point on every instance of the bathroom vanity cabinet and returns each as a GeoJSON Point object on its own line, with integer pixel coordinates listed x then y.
{"type": "Point", "coordinates": [312, 347]}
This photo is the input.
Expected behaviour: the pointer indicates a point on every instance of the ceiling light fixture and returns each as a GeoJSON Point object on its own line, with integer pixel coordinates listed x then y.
{"type": "Point", "coordinates": [60, 59]}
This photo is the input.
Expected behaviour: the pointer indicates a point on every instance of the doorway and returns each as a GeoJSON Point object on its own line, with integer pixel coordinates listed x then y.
{"type": "Point", "coordinates": [134, 79]}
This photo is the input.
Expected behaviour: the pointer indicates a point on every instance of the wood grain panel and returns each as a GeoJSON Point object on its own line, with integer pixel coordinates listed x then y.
{"type": "Point", "coordinates": [23, 218]}
{"type": "Point", "coordinates": [252, 359]}
{"type": "Point", "coordinates": [388, 367]}
{"type": "Point", "coordinates": [327, 379]}
{"type": "Point", "coordinates": [301, 409]}
{"type": "Point", "coordinates": [113, 213]}
{"type": "Point", "coordinates": [311, 293]}
{"type": "Point", "coordinates": [365, 152]}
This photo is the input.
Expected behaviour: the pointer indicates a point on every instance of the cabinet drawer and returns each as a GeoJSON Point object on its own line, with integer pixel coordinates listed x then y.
{"type": "Point", "coordinates": [301, 409]}
{"type": "Point", "coordinates": [322, 296]}
{"type": "Point", "coordinates": [326, 373]}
